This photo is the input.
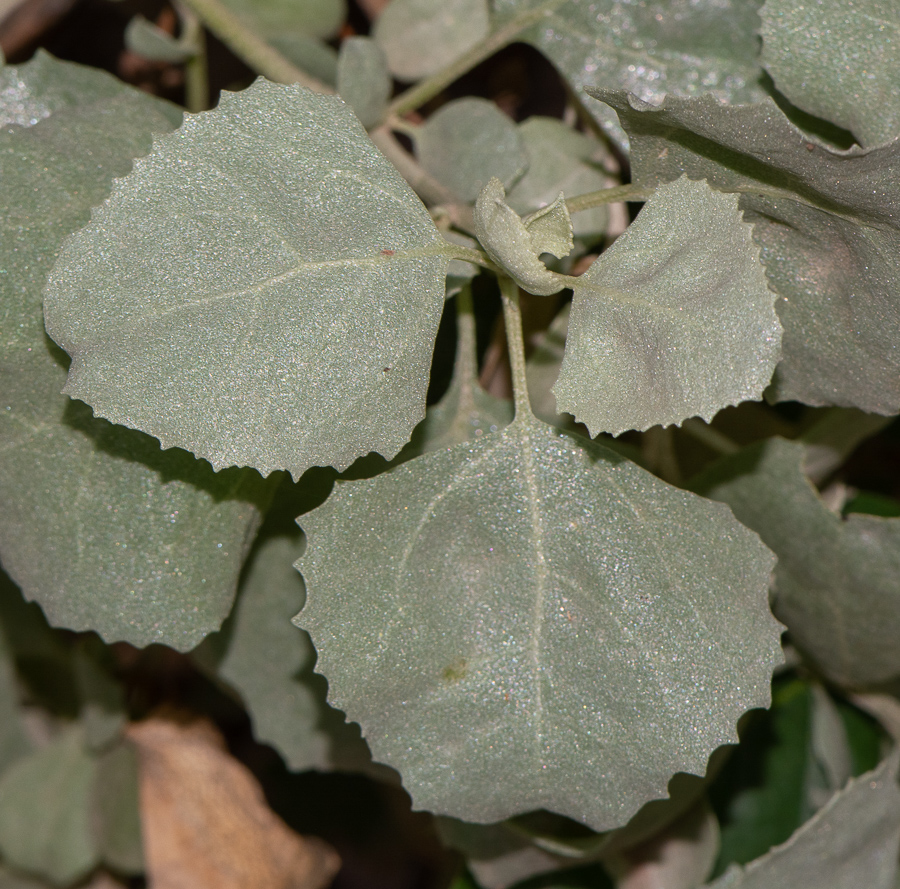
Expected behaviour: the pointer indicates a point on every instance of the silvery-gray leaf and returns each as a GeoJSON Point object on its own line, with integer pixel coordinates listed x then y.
{"type": "Point", "coordinates": [98, 525]}
{"type": "Point", "coordinates": [827, 226]}
{"type": "Point", "coordinates": [850, 843]}
{"type": "Point", "coordinates": [837, 582]}
{"type": "Point", "coordinates": [422, 37]}
{"type": "Point", "coordinates": [675, 320]}
{"type": "Point", "coordinates": [294, 328]}
{"type": "Point", "coordinates": [468, 141]}
{"type": "Point", "coordinates": [839, 61]}
{"type": "Point", "coordinates": [530, 613]}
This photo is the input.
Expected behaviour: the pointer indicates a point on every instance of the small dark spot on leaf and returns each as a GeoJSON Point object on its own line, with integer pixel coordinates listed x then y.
{"type": "Point", "coordinates": [386, 252]}
{"type": "Point", "coordinates": [385, 369]}
{"type": "Point", "coordinates": [456, 671]}
{"type": "Point", "coordinates": [810, 146]}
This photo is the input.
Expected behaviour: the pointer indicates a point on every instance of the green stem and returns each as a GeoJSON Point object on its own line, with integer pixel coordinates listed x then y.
{"type": "Point", "coordinates": [473, 255]}
{"type": "Point", "coordinates": [512, 318]}
{"type": "Point", "coordinates": [196, 79]}
{"type": "Point", "coordinates": [712, 438]}
{"type": "Point", "coordinates": [427, 89]}
{"type": "Point", "coordinates": [250, 47]}
{"type": "Point", "coordinates": [630, 193]}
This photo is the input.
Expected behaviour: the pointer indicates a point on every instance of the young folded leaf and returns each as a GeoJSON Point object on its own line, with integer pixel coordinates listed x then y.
{"type": "Point", "coordinates": [264, 289]}
{"type": "Point", "coordinates": [516, 244]}
{"type": "Point", "coordinates": [673, 321]}
{"type": "Point", "coordinates": [527, 620]}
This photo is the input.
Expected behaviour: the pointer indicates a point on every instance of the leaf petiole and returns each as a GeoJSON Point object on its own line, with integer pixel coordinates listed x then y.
{"type": "Point", "coordinates": [512, 318]}
{"type": "Point", "coordinates": [630, 193]}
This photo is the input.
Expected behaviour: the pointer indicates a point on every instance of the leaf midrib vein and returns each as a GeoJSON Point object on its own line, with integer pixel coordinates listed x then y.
{"type": "Point", "coordinates": [434, 251]}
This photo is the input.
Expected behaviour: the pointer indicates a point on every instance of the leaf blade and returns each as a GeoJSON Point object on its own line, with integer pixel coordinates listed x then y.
{"type": "Point", "coordinates": [308, 320]}
{"type": "Point", "coordinates": [674, 320]}
{"type": "Point", "coordinates": [489, 687]}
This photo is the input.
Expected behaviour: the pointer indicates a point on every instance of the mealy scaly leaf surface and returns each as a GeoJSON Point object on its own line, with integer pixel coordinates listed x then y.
{"type": "Point", "coordinates": [837, 582]}
{"type": "Point", "coordinates": [102, 528]}
{"type": "Point", "coordinates": [674, 320]}
{"type": "Point", "coordinates": [264, 289]}
{"type": "Point", "coordinates": [838, 60]}
{"type": "Point", "coordinates": [531, 614]}
{"type": "Point", "coordinates": [827, 226]}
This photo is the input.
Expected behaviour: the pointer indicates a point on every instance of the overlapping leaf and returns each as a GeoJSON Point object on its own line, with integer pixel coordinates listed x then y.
{"type": "Point", "coordinates": [467, 142]}
{"type": "Point", "coordinates": [276, 19]}
{"type": "Point", "coordinates": [837, 582]}
{"type": "Point", "coordinates": [421, 37]}
{"type": "Point", "coordinates": [29, 93]}
{"type": "Point", "coordinates": [102, 528]}
{"type": "Point", "coordinates": [265, 289]}
{"type": "Point", "coordinates": [363, 80]}
{"type": "Point", "coordinates": [560, 159]}
{"type": "Point", "coordinates": [839, 61]}
{"type": "Point", "coordinates": [267, 657]}
{"type": "Point", "coordinates": [826, 224]}
{"type": "Point", "coordinates": [674, 320]}
{"type": "Point", "coordinates": [532, 614]}
{"type": "Point", "coordinates": [851, 842]}
{"type": "Point", "coordinates": [677, 47]}
{"type": "Point", "coordinates": [45, 822]}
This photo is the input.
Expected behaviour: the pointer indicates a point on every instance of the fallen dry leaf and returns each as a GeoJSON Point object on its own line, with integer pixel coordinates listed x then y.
{"type": "Point", "coordinates": [206, 824]}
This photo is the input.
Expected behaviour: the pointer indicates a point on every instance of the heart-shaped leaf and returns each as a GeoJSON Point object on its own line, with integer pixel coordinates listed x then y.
{"type": "Point", "coordinates": [531, 614]}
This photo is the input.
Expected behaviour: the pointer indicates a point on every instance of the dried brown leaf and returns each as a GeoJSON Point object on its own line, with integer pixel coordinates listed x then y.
{"type": "Point", "coordinates": [206, 822]}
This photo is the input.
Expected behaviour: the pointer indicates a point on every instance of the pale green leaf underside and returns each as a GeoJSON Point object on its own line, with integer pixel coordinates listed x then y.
{"type": "Point", "coordinates": [468, 141]}
{"type": "Point", "coordinates": [363, 80]}
{"type": "Point", "coordinates": [98, 525]}
{"type": "Point", "coordinates": [838, 60]}
{"type": "Point", "coordinates": [827, 226]}
{"type": "Point", "coordinates": [673, 321]}
{"type": "Point", "coordinates": [837, 583]}
{"type": "Point", "coordinates": [278, 18]}
{"type": "Point", "coordinates": [266, 655]}
{"type": "Point", "coordinates": [45, 818]}
{"type": "Point", "coordinates": [422, 37]}
{"type": "Point", "coordinates": [264, 289]}
{"type": "Point", "coordinates": [531, 614]}
{"type": "Point", "coordinates": [560, 159]}
{"type": "Point", "coordinates": [677, 47]}
{"type": "Point", "coordinates": [850, 843]}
